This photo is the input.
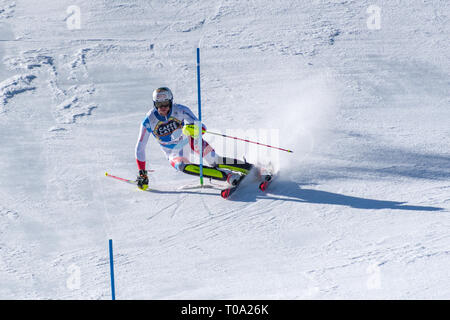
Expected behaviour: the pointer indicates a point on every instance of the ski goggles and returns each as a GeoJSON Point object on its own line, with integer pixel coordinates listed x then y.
{"type": "Point", "coordinates": [162, 104]}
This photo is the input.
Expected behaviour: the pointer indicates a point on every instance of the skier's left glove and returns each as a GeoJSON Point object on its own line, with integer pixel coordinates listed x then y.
{"type": "Point", "coordinates": [142, 180]}
{"type": "Point", "coordinates": [192, 130]}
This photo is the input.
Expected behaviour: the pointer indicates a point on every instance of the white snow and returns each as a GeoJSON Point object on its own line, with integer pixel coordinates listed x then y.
{"type": "Point", "coordinates": [360, 211]}
{"type": "Point", "coordinates": [15, 85]}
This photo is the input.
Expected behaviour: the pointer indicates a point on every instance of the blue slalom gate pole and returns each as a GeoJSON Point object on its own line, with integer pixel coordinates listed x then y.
{"type": "Point", "coordinates": [200, 118]}
{"type": "Point", "coordinates": [111, 265]}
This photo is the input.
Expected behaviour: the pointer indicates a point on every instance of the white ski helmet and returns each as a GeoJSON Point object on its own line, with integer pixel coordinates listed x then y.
{"type": "Point", "coordinates": [162, 95]}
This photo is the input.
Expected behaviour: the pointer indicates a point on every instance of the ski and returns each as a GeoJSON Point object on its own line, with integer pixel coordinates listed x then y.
{"type": "Point", "coordinates": [267, 175]}
{"type": "Point", "coordinates": [185, 189]}
{"type": "Point", "coordinates": [226, 193]}
{"type": "Point", "coordinates": [267, 179]}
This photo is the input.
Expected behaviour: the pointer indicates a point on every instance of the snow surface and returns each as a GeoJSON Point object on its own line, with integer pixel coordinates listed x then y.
{"type": "Point", "coordinates": [360, 211]}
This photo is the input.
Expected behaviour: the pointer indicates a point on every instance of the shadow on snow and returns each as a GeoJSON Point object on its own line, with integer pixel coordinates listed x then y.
{"type": "Point", "coordinates": [291, 191]}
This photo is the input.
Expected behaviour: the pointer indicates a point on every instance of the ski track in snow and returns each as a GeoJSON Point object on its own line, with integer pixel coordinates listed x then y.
{"type": "Point", "coordinates": [73, 102]}
{"type": "Point", "coordinates": [7, 9]}
{"type": "Point", "coordinates": [14, 86]}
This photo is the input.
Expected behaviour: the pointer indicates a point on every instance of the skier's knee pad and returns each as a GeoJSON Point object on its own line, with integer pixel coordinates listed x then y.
{"type": "Point", "coordinates": [179, 163]}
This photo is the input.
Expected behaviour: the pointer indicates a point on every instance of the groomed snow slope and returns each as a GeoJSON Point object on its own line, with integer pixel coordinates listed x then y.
{"type": "Point", "coordinates": [360, 211]}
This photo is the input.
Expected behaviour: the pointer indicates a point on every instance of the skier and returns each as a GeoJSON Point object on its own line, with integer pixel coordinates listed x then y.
{"type": "Point", "coordinates": [173, 126]}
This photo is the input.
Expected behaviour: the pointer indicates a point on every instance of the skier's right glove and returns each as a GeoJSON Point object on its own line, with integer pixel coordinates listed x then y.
{"type": "Point", "coordinates": [142, 180]}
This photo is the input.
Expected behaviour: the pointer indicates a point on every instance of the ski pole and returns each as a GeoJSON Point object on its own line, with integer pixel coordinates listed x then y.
{"type": "Point", "coordinates": [118, 178]}
{"type": "Point", "coordinates": [122, 179]}
{"type": "Point", "coordinates": [245, 140]}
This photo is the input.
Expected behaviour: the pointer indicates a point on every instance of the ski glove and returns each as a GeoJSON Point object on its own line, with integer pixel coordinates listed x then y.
{"type": "Point", "coordinates": [142, 180]}
{"type": "Point", "coordinates": [192, 130]}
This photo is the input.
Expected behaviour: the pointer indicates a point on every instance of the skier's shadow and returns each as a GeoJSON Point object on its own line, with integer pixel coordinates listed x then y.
{"type": "Point", "coordinates": [295, 192]}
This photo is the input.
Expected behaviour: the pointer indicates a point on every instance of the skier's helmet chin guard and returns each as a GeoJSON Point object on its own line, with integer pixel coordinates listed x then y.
{"type": "Point", "coordinates": [162, 97]}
